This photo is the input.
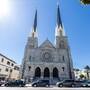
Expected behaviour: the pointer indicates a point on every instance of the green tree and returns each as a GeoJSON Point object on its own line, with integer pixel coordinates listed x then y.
{"type": "Point", "coordinates": [81, 76]}
{"type": "Point", "coordinates": [85, 1]}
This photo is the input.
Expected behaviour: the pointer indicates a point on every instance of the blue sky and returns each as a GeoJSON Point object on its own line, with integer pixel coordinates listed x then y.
{"type": "Point", "coordinates": [15, 28]}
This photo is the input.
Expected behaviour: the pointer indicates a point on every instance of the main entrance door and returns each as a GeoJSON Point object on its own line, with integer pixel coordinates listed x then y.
{"type": "Point", "coordinates": [46, 73]}
{"type": "Point", "coordinates": [37, 72]}
{"type": "Point", "coordinates": [55, 73]}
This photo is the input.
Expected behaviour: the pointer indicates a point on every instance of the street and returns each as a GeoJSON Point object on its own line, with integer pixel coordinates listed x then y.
{"type": "Point", "coordinates": [40, 88]}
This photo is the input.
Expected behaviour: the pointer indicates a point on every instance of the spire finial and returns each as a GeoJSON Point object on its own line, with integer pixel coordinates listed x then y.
{"type": "Point", "coordinates": [35, 22]}
{"type": "Point", "coordinates": [59, 21]}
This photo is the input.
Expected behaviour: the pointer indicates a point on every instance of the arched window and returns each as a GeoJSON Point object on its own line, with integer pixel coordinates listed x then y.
{"type": "Point", "coordinates": [62, 45]}
{"type": "Point", "coordinates": [55, 73]}
{"type": "Point", "coordinates": [46, 72]}
{"type": "Point", "coordinates": [63, 58]}
{"type": "Point", "coordinates": [30, 58]}
{"type": "Point", "coordinates": [37, 72]}
{"type": "Point", "coordinates": [63, 68]}
{"type": "Point", "coordinates": [29, 68]}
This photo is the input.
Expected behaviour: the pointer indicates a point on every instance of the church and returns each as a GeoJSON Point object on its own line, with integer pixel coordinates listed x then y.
{"type": "Point", "coordinates": [47, 61]}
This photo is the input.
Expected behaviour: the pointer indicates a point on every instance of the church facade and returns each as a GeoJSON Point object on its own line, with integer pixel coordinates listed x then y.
{"type": "Point", "coordinates": [47, 61]}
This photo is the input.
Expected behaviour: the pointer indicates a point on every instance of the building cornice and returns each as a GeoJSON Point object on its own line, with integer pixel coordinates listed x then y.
{"type": "Point", "coordinates": [7, 58]}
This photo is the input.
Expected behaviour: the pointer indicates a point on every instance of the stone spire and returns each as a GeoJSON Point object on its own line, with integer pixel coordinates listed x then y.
{"type": "Point", "coordinates": [59, 21]}
{"type": "Point", "coordinates": [35, 22]}
{"type": "Point", "coordinates": [59, 25]}
{"type": "Point", "coordinates": [34, 30]}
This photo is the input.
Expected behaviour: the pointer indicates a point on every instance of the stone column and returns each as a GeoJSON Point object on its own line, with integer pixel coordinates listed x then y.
{"type": "Point", "coordinates": [42, 72]}
{"type": "Point", "coordinates": [42, 75]}
{"type": "Point", "coordinates": [51, 76]}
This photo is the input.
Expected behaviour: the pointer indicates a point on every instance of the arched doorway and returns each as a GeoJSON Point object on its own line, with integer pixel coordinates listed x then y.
{"type": "Point", "coordinates": [46, 72]}
{"type": "Point", "coordinates": [55, 73]}
{"type": "Point", "coordinates": [37, 72]}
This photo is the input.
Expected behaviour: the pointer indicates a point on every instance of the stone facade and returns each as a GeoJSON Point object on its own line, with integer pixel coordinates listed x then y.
{"type": "Point", "coordinates": [47, 60]}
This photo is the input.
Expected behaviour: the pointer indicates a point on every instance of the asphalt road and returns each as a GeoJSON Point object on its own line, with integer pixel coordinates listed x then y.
{"type": "Point", "coordinates": [40, 88]}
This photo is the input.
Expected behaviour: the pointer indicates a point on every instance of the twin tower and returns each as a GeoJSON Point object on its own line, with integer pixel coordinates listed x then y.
{"type": "Point", "coordinates": [47, 61]}
{"type": "Point", "coordinates": [59, 29]}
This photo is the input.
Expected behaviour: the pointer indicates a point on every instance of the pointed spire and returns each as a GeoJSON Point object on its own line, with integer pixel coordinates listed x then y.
{"type": "Point", "coordinates": [34, 28]}
{"type": "Point", "coordinates": [35, 22]}
{"type": "Point", "coordinates": [59, 25]}
{"type": "Point", "coordinates": [59, 21]}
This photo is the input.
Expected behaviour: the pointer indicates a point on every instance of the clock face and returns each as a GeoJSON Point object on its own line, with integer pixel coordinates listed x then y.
{"type": "Point", "coordinates": [46, 56]}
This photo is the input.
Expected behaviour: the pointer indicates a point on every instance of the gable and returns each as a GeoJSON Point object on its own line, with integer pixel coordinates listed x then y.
{"type": "Point", "coordinates": [46, 44]}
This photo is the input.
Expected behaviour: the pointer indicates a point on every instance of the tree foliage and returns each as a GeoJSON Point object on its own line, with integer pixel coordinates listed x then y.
{"type": "Point", "coordinates": [85, 1]}
{"type": "Point", "coordinates": [82, 76]}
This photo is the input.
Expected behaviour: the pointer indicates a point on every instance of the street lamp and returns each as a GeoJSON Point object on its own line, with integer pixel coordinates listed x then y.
{"type": "Point", "coordinates": [85, 2]}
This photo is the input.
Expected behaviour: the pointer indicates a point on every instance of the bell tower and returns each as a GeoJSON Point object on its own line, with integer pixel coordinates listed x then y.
{"type": "Point", "coordinates": [33, 38]}
{"type": "Point", "coordinates": [32, 43]}
{"type": "Point", "coordinates": [62, 43]}
{"type": "Point", "coordinates": [59, 32]}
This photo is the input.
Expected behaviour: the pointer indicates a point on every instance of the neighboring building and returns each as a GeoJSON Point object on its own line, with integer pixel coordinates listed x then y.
{"type": "Point", "coordinates": [8, 68]}
{"type": "Point", "coordinates": [47, 61]}
{"type": "Point", "coordinates": [78, 72]}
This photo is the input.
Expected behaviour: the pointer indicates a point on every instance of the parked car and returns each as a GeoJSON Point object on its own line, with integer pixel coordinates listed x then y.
{"type": "Point", "coordinates": [41, 83]}
{"type": "Point", "coordinates": [80, 83]}
{"type": "Point", "coordinates": [1, 83]}
{"type": "Point", "coordinates": [74, 83]}
{"type": "Point", "coordinates": [15, 83]}
{"type": "Point", "coordinates": [86, 83]}
{"type": "Point", "coordinates": [66, 83]}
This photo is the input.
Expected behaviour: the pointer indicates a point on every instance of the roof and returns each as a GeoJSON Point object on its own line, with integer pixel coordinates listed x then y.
{"type": "Point", "coordinates": [7, 58]}
{"type": "Point", "coordinates": [46, 44]}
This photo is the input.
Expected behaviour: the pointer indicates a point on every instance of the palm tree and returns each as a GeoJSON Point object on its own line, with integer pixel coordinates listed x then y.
{"type": "Point", "coordinates": [87, 68]}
